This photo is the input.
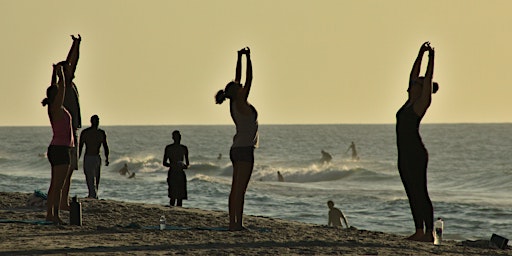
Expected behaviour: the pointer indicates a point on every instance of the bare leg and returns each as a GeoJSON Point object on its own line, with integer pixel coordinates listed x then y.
{"type": "Point", "coordinates": [241, 175]}
{"type": "Point", "coordinates": [64, 202]}
{"type": "Point", "coordinates": [59, 174]}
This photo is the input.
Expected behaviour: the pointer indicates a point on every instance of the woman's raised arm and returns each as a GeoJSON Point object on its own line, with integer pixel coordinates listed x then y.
{"type": "Point", "coordinates": [248, 74]}
{"type": "Point", "coordinates": [415, 72]}
{"type": "Point", "coordinates": [58, 101]}
{"type": "Point", "coordinates": [74, 53]}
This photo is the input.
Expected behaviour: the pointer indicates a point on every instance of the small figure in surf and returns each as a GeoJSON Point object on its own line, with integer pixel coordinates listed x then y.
{"type": "Point", "coordinates": [219, 157]}
{"type": "Point", "coordinates": [336, 216]}
{"type": "Point", "coordinates": [176, 158]}
{"type": "Point", "coordinates": [280, 177]}
{"type": "Point", "coordinates": [124, 170]}
{"type": "Point", "coordinates": [412, 154]}
{"type": "Point", "coordinates": [352, 147]}
{"type": "Point", "coordinates": [326, 157]}
{"type": "Point", "coordinates": [245, 117]}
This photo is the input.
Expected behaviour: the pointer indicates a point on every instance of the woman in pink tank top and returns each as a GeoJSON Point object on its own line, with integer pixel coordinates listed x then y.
{"type": "Point", "coordinates": [62, 141]}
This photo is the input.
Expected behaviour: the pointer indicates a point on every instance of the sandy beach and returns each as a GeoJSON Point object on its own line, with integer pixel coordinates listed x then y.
{"type": "Point", "coordinates": [121, 228]}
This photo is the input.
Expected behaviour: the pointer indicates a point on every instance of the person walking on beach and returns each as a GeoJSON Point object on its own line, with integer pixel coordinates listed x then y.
{"type": "Point", "coordinates": [245, 117]}
{"type": "Point", "coordinates": [176, 158]}
{"type": "Point", "coordinates": [62, 140]}
{"type": "Point", "coordinates": [336, 216]}
{"type": "Point", "coordinates": [72, 104]}
{"type": "Point", "coordinates": [412, 154]}
{"type": "Point", "coordinates": [352, 147]}
{"type": "Point", "coordinates": [93, 137]}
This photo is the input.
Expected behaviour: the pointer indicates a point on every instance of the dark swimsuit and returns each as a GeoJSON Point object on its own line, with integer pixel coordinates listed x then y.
{"type": "Point", "coordinates": [412, 166]}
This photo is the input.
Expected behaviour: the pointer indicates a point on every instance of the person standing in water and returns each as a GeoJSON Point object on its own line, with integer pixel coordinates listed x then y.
{"type": "Point", "coordinates": [352, 147]}
{"type": "Point", "coordinates": [176, 158]}
{"type": "Point", "coordinates": [61, 143]}
{"type": "Point", "coordinates": [412, 154]}
{"type": "Point", "coordinates": [245, 117]}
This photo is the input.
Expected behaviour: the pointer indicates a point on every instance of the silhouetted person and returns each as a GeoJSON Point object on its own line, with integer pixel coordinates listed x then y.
{"type": "Point", "coordinates": [326, 157]}
{"type": "Point", "coordinates": [124, 170]}
{"type": "Point", "coordinates": [336, 216]}
{"type": "Point", "coordinates": [412, 154]}
{"type": "Point", "coordinates": [93, 137]}
{"type": "Point", "coordinates": [62, 140]}
{"type": "Point", "coordinates": [280, 177]}
{"type": "Point", "coordinates": [245, 117]}
{"type": "Point", "coordinates": [176, 158]}
{"type": "Point", "coordinates": [219, 157]}
{"type": "Point", "coordinates": [72, 104]}
{"type": "Point", "coordinates": [354, 151]}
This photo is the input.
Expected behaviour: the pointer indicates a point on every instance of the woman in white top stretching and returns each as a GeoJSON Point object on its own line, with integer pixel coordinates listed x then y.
{"type": "Point", "coordinates": [245, 117]}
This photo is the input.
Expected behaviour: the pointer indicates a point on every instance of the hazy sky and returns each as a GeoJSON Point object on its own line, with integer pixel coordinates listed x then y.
{"type": "Point", "coordinates": [161, 62]}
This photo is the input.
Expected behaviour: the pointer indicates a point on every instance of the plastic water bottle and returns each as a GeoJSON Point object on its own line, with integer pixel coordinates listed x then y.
{"type": "Point", "coordinates": [438, 231]}
{"type": "Point", "coordinates": [162, 222]}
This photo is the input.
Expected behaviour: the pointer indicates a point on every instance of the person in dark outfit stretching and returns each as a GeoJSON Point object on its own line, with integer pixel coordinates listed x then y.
{"type": "Point", "coordinates": [245, 117]}
{"type": "Point", "coordinates": [412, 154]}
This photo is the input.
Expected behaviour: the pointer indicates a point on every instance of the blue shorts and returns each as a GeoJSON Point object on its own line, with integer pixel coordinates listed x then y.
{"type": "Point", "coordinates": [242, 154]}
{"type": "Point", "coordinates": [59, 155]}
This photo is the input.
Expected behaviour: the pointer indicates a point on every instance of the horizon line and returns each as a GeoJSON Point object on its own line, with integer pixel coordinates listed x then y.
{"type": "Point", "coordinates": [266, 124]}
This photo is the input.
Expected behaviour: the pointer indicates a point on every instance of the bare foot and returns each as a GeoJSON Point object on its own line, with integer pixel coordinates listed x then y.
{"type": "Point", "coordinates": [57, 221]}
{"type": "Point", "coordinates": [418, 236]}
{"type": "Point", "coordinates": [428, 237]}
{"type": "Point", "coordinates": [237, 228]}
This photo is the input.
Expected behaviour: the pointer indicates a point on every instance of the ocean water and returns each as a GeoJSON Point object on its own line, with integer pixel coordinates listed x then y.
{"type": "Point", "coordinates": [469, 175]}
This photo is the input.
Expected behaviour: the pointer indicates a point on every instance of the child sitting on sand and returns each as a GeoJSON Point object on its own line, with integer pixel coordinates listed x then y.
{"type": "Point", "coordinates": [335, 216]}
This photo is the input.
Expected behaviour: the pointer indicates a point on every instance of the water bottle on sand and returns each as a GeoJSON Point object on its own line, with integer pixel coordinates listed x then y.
{"type": "Point", "coordinates": [438, 231]}
{"type": "Point", "coordinates": [162, 222]}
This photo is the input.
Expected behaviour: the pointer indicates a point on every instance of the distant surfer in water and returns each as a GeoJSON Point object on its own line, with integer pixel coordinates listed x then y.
{"type": "Point", "coordinates": [280, 177]}
{"type": "Point", "coordinates": [326, 157]}
{"type": "Point", "coordinates": [412, 154]}
{"type": "Point", "coordinates": [124, 170]}
{"type": "Point", "coordinates": [352, 147]}
{"type": "Point", "coordinates": [245, 117]}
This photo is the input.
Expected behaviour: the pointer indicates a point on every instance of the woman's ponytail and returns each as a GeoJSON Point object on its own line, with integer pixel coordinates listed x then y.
{"type": "Point", "coordinates": [220, 97]}
{"type": "Point", "coordinates": [45, 102]}
{"type": "Point", "coordinates": [435, 87]}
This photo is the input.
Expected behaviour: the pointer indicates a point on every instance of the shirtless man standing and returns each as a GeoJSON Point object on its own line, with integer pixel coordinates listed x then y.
{"type": "Point", "coordinates": [93, 138]}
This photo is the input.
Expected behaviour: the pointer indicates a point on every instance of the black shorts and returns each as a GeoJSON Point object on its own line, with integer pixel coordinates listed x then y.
{"type": "Point", "coordinates": [242, 154]}
{"type": "Point", "coordinates": [59, 155]}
